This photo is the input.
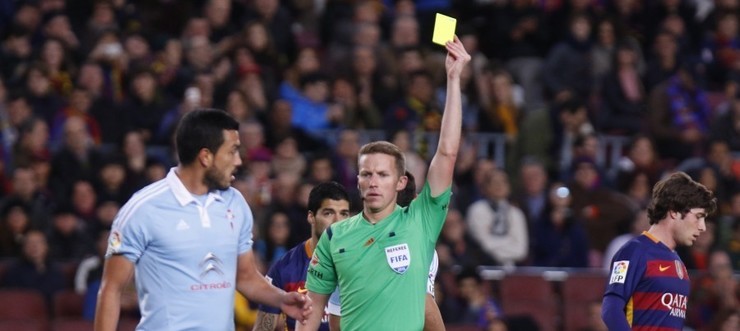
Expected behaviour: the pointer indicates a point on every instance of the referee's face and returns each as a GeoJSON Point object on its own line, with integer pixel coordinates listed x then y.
{"type": "Point", "coordinates": [220, 173]}
{"type": "Point", "coordinates": [379, 182]}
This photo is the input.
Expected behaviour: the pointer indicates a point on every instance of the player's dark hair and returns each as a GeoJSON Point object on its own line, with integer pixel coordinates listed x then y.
{"type": "Point", "coordinates": [326, 190]}
{"type": "Point", "coordinates": [408, 193]}
{"type": "Point", "coordinates": [679, 193]}
{"type": "Point", "coordinates": [202, 128]}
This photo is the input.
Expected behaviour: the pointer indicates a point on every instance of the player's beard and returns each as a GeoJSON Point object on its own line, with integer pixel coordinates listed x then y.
{"type": "Point", "coordinates": [212, 179]}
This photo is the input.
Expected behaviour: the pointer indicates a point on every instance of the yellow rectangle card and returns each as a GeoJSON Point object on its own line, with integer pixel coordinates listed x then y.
{"type": "Point", "coordinates": [444, 29]}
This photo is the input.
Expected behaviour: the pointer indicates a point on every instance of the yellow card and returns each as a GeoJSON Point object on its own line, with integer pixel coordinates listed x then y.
{"type": "Point", "coordinates": [444, 29]}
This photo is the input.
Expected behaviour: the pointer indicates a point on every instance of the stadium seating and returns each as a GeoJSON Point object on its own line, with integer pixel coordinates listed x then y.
{"type": "Point", "coordinates": [23, 310]}
{"type": "Point", "coordinates": [24, 325]}
{"type": "Point", "coordinates": [578, 291]}
{"type": "Point", "coordinates": [68, 305]}
{"type": "Point", "coordinates": [524, 294]}
{"type": "Point", "coordinates": [71, 325]}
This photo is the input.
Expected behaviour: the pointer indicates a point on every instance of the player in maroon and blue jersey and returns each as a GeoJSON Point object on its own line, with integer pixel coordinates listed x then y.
{"type": "Point", "coordinates": [327, 203]}
{"type": "Point", "coordinates": [649, 286]}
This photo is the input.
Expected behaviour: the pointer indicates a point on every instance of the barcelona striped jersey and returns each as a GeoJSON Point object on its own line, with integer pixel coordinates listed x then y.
{"type": "Point", "coordinates": [653, 281]}
{"type": "Point", "coordinates": [289, 274]}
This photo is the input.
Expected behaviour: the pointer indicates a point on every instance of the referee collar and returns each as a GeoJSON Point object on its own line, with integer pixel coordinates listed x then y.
{"type": "Point", "coordinates": [182, 194]}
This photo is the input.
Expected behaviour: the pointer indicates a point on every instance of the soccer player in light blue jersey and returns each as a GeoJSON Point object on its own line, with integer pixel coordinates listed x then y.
{"type": "Point", "coordinates": [188, 238]}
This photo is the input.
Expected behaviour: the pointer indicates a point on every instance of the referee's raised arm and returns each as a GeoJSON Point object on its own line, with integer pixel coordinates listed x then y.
{"type": "Point", "coordinates": [443, 163]}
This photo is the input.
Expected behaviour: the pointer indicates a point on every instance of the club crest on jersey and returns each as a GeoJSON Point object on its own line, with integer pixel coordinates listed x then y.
{"type": "Point", "coordinates": [679, 269]}
{"type": "Point", "coordinates": [619, 272]}
{"type": "Point", "coordinates": [398, 257]}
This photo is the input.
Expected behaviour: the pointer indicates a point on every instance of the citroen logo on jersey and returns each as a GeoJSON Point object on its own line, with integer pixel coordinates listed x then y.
{"type": "Point", "coordinates": [211, 263]}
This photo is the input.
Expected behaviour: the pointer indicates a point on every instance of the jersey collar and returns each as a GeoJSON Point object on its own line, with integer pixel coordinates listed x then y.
{"type": "Point", "coordinates": [651, 236]}
{"type": "Point", "coordinates": [307, 248]}
{"type": "Point", "coordinates": [182, 194]}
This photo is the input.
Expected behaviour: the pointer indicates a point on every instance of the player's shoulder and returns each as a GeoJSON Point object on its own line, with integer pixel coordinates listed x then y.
{"type": "Point", "coordinates": [146, 199]}
{"type": "Point", "coordinates": [293, 255]}
{"type": "Point", "coordinates": [634, 247]}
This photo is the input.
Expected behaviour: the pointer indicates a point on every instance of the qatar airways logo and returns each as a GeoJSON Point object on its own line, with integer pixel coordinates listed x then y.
{"type": "Point", "coordinates": [676, 304]}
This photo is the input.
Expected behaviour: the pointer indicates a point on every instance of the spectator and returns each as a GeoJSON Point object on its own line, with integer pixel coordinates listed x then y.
{"type": "Point", "coordinates": [41, 97]}
{"type": "Point", "coordinates": [146, 105]}
{"type": "Point", "coordinates": [68, 240]}
{"type": "Point", "coordinates": [456, 246]}
{"type": "Point", "coordinates": [28, 190]}
{"type": "Point", "coordinates": [559, 236]}
{"type": "Point", "coordinates": [16, 223]}
{"type": "Point", "coordinates": [77, 159]}
{"type": "Point", "coordinates": [641, 157]}
{"type": "Point", "coordinates": [606, 213]}
{"type": "Point", "coordinates": [496, 225]}
{"type": "Point", "coordinates": [32, 142]}
{"type": "Point", "coordinates": [533, 195]}
{"type": "Point", "coordinates": [664, 61]}
{"type": "Point", "coordinates": [679, 120]}
{"type": "Point", "coordinates": [480, 309]}
{"type": "Point", "coordinates": [275, 242]}
{"type": "Point", "coordinates": [566, 70]}
{"type": "Point", "coordinates": [34, 270]}
{"type": "Point", "coordinates": [311, 111]}
{"type": "Point", "coordinates": [504, 113]}
{"type": "Point", "coordinates": [625, 99]}
{"type": "Point", "coordinates": [714, 291]}
{"type": "Point", "coordinates": [417, 111]}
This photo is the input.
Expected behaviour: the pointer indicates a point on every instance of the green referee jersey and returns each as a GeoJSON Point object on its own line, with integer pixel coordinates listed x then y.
{"type": "Point", "coordinates": [381, 269]}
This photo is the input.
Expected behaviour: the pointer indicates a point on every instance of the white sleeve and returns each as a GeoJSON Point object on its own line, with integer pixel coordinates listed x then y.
{"type": "Point", "coordinates": [334, 306]}
{"type": "Point", "coordinates": [432, 273]}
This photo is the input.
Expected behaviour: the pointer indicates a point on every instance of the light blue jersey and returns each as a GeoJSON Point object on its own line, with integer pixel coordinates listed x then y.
{"type": "Point", "coordinates": [185, 254]}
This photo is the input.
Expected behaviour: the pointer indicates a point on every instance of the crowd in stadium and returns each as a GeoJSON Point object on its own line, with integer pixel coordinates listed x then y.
{"type": "Point", "coordinates": [91, 92]}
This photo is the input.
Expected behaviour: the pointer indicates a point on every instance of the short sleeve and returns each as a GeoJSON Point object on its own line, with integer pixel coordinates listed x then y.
{"type": "Point", "coordinates": [432, 273]}
{"type": "Point", "coordinates": [431, 211]}
{"type": "Point", "coordinates": [129, 237]}
{"type": "Point", "coordinates": [321, 273]}
{"type": "Point", "coordinates": [274, 277]}
{"type": "Point", "coordinates": [245, 234]}
{"type": "Point", "coordinates": [627, 268]}
{"type": "Point", "coordinates": [334, 306]}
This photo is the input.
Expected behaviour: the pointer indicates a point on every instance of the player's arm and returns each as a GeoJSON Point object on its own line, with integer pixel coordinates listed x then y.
{"type": "Point", "coordinates": [334, 322]}
{"type": "Point", "coordinates": [442, 166]}
{"type": "Point", "coordinates": [117, 273]}
{"type": "Point", "coordinates": [334, 309]}
{"type": "Point", "coordinates": [612, 313]}
{"type": "Point", "coordinates": [266, 322]}
{"type": "Point", "coordinates": [432, 316]}
{"type": "Point", "coordinates": [255, 287]}
{"type": "Point", "coordinates": [628, 267]}
{"type": "Point", "coordinates": [314, 320]}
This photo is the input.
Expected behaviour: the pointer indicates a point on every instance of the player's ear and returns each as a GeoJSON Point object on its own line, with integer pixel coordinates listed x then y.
{"type": "Point", "coordinates": [205, 157]}
{"type": "Point", "coordinates": [675, 215]}
{"type": "Point", "coordinates": [311, 218]}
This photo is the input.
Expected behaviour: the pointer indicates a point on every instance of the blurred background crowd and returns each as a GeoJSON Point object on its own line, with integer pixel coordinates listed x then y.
{"type": "Point", "coordinates": [572, 110]}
